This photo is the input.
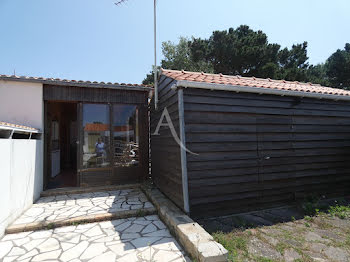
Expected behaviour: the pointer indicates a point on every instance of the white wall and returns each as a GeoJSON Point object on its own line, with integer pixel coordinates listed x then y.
{"type": "Point", "coordinates": [21, 172]}
{"type": "Point", "coordinates": [21, 103]}
{"type": "Point", "coordinates": [21, 160]}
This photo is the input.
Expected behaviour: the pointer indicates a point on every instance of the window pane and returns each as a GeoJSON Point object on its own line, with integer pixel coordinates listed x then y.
{"type": "Point", "coordinates": [96, 135]}
{"type": "Point", "coordinates": [125, 135]}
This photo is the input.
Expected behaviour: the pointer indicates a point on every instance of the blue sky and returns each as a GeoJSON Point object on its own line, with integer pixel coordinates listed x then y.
{"type": "Point", "coordinates": [96, 40]}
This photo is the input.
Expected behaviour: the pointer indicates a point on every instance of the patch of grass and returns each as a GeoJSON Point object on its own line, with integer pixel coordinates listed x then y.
{"type": "Point", "coordinates": [308, 218]}
{"type": "Point", "coordinates": [347, 241]}
{"type": "Point", "coordinates": [322, 223]}
{"type": "Point", "coordinates": [307, 224]}
{"type": "Point", "coordinates": [280, 247]}
{"type": "Point", "coordinates": [264, 259]}
{"type": "Point", "coordinates": [312, 206]}
{"type": "Point", "coordinates": [339, 211]}
{"type": "Point", "coordinates": [286, 234]}
{"type": "Point", "coordinates": [293, 218]}
{"type": "Point", "coordinates": [235, 243]}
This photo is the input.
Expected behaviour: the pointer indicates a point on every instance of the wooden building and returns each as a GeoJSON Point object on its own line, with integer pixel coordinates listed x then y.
{"type": "Point", "coordinates": [248, 143]}
{"type": "Point", "coordinates": [94, 133]}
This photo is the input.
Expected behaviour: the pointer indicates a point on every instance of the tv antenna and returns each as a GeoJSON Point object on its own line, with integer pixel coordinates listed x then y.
{"type": "Point", "coordinates": [155, 68]}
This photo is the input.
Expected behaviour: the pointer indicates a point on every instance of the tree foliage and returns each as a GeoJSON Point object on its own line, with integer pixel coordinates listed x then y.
{"type": "Point", "coordinates": [178, 57]}
{"type": "Point", "coordinates": [243, 51]}
{"type": "Point", "coordinates": [338, 68]}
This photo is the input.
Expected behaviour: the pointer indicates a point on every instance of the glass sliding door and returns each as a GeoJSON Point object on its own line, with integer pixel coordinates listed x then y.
{"type": "Point", "coordinates": [125, 135]}
{"type": "Point", "coordinates": [110, 144]}
{"type": "Point", "coordinates": [96, 136]}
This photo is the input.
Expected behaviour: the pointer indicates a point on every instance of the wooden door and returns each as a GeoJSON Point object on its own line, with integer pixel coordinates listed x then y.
{"type": "Point", "coordinates": [275, 149]}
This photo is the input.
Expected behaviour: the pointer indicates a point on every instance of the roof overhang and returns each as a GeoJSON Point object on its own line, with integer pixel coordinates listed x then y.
{"type": "Point", "coordinates": [20, 130]}
{"type": "Point", "coordinates": [88, 84]}
{"type": "Point", "coordinates": [257, 90]}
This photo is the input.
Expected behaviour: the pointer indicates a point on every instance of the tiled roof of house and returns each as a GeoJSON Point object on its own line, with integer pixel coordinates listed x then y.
{"type": "Point", "coordinates": [248, 82]}
{"type": "Point", "coordinates": [15, 126]}
{"type": "Point", "coordinates": [98, 127]}
{"type": "Point", "coordinates": [65, 82]}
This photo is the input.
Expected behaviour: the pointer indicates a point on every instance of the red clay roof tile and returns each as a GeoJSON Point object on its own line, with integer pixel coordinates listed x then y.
{"type": "Point", "coordinates": [253, 82]}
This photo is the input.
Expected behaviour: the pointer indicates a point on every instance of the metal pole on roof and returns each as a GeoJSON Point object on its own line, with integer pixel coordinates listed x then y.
{"type": "Point", "coordinates": [155, 68]}
{"type": "Point", "coordinates": [155, 58]}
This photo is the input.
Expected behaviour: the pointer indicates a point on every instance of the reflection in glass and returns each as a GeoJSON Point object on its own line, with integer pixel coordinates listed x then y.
{"type": "Point", "coordinates": [96, 135]}
{"type": "Point", "coordinates": [125, 135]}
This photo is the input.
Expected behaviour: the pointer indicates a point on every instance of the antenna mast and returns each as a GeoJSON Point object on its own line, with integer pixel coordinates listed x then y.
{"type": "Point", "coordinates": [155, 69]}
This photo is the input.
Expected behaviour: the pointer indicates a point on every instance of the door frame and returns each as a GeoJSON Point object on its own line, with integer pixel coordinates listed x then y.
{"type": "Point", "coordinates": [47, 142]}
{"type": "Point", "coordinates": [110, 173]}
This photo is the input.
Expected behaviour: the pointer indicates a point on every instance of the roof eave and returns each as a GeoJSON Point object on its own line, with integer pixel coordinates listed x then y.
{"type": "Point", "coordinates": [79, 84]}
{"type": "Point", "coordinates": [18, 129]}
{"type": "Point", "coordinates": [258, 90]}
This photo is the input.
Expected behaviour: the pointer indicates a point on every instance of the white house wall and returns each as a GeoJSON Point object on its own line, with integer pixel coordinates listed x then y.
{"type": "Point", "coordinates": [21, 177]}
{"type": "Point", "coordinates": [21, 103]}
{"type": "Point", "coordinates": [21, 160]}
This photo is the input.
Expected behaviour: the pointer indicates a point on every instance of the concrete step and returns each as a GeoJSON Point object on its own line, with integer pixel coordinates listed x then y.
{"type": "Point", "coordinates": [72, 209]}
{"type": "Point", "coordinates": [81, 190]}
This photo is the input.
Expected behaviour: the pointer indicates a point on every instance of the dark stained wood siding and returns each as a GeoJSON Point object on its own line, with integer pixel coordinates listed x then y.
{"type": "Point", "coordinates": [165, 152]}
{"type": "Point", "coordinates": [94, 95]}
{"type": "Point", "coordinates": [258, 151]}
{"type": "Point", "coordinates": [99, 177]}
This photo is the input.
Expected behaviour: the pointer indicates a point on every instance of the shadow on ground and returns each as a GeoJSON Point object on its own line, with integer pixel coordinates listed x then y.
{"type": "Point", "coordinates": [269, 217]}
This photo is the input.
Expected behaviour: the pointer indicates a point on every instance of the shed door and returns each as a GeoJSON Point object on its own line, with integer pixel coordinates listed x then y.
{"type": "Point", "coordinates": [275, 150]}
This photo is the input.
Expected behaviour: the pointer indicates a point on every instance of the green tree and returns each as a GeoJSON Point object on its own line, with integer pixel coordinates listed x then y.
{"type": "Point", "coordinates": [237, 51]}
{"type": "Point", "coordinates": [246, 52]}
{"type": "Point", "coordinates": [293, 63]}
{"type": "Point", "coordinates": [179, 57]}
{"type": "Point", "coordinates": [243, 51]}
{"type": "Point", "coordinates": [338, 68]}
{"type": "Point", "coordinates": [317, 74]}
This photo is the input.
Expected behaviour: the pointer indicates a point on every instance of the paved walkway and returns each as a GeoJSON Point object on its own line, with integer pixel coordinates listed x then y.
{"type": "Point", "coordinates": [75, 205]}
{"type": "Point", "coordinates": [132, 239]}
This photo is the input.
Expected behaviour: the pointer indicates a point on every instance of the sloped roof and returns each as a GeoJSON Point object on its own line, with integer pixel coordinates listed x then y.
{"type": "Point", "coordinates": [18, 127]}
{"type": "Point", "coordinates": [98, 127]}
{"type": "Point", "coordinates": [66, 82]}
{"type": "Point", "coordinates": [253, 82]}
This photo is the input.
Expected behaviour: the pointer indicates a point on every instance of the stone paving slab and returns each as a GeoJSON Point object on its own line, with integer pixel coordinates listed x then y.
{"type": "Point", "coordinates": [132, 239]}
{"type": "Point", "coordinates": [62, 210]}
